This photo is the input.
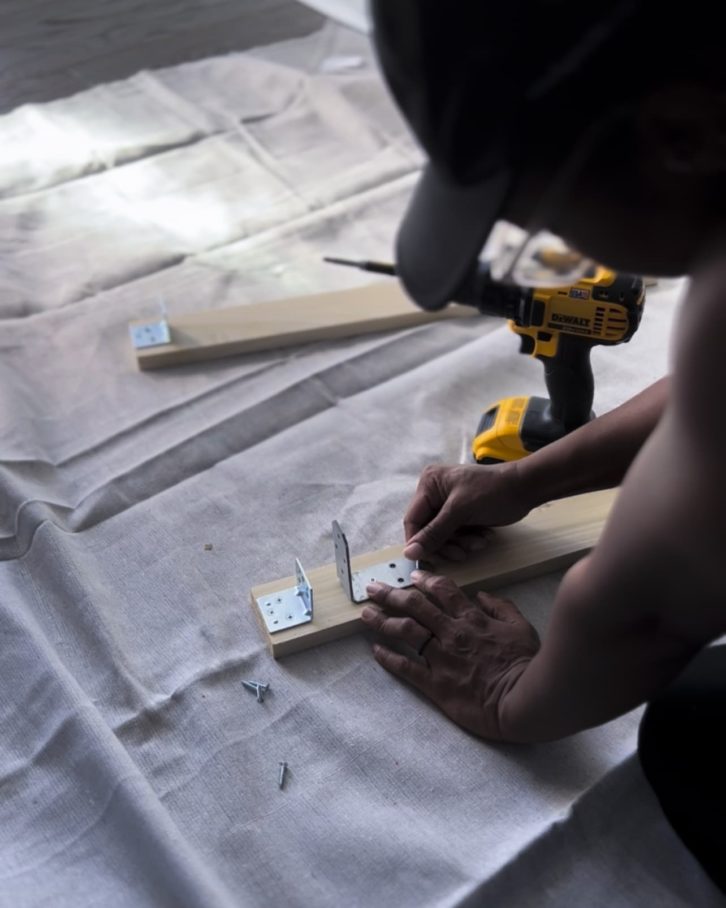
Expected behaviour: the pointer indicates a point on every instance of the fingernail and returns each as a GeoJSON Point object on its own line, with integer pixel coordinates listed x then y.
{"type": "Point", "coordinates": [417, 575]}
{"type": "Point", "coordinates": [368, 613]}
{"type": "Point", "coordinates": [374, 588]}
{"type": "Point", "coordinates": [414, 551]}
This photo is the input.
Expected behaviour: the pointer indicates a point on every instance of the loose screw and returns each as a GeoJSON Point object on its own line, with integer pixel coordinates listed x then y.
{"type": "Point", "coordinates": [257, 688]}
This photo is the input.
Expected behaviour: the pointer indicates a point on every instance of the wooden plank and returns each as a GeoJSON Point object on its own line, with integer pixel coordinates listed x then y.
{"type": "Point", "coordinates": [215, 333]}
{"type": "Point", "coordinates": [553, 536]}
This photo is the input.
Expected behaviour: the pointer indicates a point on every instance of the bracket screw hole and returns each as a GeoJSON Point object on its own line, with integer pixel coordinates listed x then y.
{"type": "Point", "coordinates": [392, 564]}
{"type": "Point", "coordinates": [401, 580]}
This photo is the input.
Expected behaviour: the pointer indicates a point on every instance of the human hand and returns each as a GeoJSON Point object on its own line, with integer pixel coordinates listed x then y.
{"type": "Point", "coordinates": [471, 652]}
{"type": "Point", "coordinates": [453, 506]}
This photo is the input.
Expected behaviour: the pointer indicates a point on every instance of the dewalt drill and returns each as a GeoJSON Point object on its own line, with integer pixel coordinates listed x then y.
{"type": "Point", "coordinates": [559, 326]}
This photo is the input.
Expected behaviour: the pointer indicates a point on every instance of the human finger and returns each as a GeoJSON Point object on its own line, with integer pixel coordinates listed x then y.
{"type": "Point", "coordinates": [411, 670]}
{"type": "Point", "coordinates": [451, 552]}
{"type": "Point", "coordinates": [426, 501]}
{"type": "Point", "coordinates": [407, 603]}
{"type": "Point", "coordinates": [443, 591]}
{"type": "Point", "coordinates": [407, 630]}
{"type": "Point", "coordinates": [429, 539]}
{"type": "Point", "coordinates": [466, 543]}
{"type": "Point", "coordinates": [472, 539]}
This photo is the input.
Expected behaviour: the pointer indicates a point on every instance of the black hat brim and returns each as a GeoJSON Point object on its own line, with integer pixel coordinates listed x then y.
{"type": "Point", "coordinates": [443, 233]}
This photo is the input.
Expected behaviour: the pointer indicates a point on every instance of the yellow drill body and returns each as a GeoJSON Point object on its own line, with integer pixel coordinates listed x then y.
{"type": "Point", "coordinates": [559, 326]}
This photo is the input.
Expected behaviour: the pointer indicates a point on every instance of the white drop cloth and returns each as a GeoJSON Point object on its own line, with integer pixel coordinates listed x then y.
{"type": "Point", "coordinates": [134, 768]}
{"type": "Point", "coordinates": [353, 13]}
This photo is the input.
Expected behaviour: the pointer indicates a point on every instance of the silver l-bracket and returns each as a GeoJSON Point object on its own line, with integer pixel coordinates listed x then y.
{"type": "Point", "coordinates": [396, 572]}
{"type": "Point", "coordinates": [289, 607]}
{"type": "Point", "coordinates": [152, 334]}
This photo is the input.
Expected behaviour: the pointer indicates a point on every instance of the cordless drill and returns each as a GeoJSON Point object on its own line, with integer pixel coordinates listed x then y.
{"type": "Point", "coordinates": [559, 326]}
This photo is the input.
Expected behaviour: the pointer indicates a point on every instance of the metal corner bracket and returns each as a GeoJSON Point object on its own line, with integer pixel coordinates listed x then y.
{"type": "Point", "coordinates": [396, 572]}
{"type": "Point", "coordinates": [152, 334]}
{"type": "Point", "coordinates": [289, 607]}
{"type": "Point", "coordinates": [294, 605]}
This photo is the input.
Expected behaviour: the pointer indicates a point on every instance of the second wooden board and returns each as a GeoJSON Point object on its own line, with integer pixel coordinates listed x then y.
{"type": "Point", "coordinates": [215, 333]}
{"type": "Point", "coordinates": [551, 537]}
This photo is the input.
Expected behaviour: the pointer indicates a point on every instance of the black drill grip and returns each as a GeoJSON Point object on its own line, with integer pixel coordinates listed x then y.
{"type": "Point", "coordinates": [570, 384]}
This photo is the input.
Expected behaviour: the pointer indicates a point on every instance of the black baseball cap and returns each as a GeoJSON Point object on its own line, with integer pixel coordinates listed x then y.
{"type": "Point", "coordinates": [480, 84]}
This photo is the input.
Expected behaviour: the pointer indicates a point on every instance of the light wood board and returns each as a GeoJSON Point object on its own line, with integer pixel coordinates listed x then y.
{"type": "Point", "coordinates": [551, 537]}
{"type": "Point", "coordinates": [214, 333]}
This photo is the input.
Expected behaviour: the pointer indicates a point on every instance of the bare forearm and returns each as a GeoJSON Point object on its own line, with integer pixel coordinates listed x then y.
{"type": "Point", "coordinates": [596, 456]}
{"type": "Point", "coordinates": [592, 667]}
{"type": "Point", "coordinates": [629, 617]}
